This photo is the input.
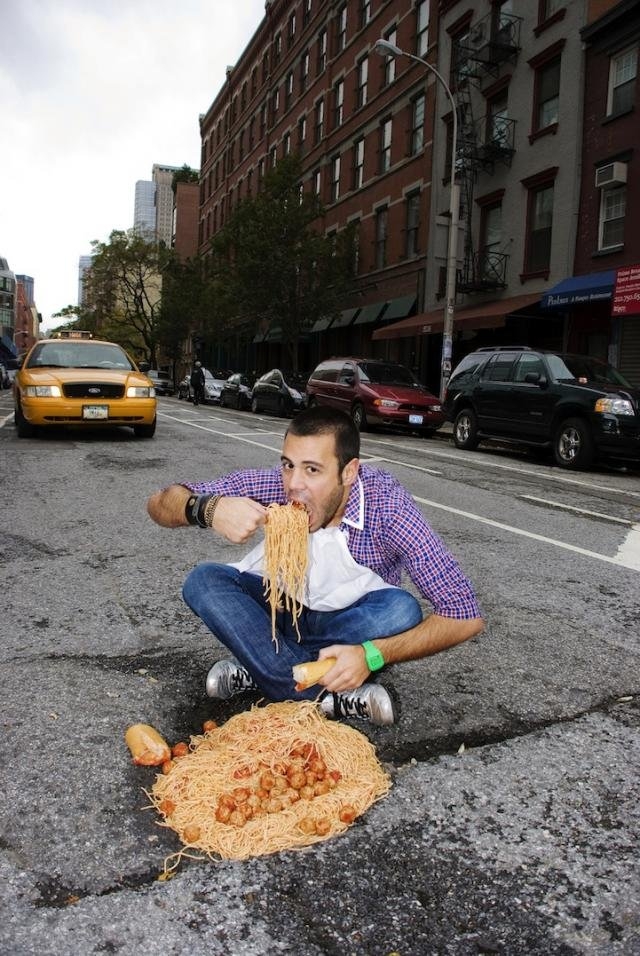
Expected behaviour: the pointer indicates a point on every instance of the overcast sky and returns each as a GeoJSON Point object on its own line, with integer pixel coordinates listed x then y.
{"type": "Point", "coordinates": [92, 94]}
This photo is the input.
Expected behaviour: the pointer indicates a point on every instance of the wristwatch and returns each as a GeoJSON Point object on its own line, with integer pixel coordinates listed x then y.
{"type": "Point", "coordinates": [373, 656]}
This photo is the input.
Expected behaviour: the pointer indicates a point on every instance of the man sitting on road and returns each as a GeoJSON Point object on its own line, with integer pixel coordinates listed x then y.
{"type": "Point", "coordinates": [365, 530]}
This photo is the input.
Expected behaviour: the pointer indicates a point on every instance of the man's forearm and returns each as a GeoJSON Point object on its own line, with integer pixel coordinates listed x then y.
{"type": "Point", "coordinates": [431, 636]}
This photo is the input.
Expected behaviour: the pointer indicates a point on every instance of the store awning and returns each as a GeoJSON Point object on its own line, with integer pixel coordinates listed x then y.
{"type": "Point", "coordinates": [345, 318]}
{"type": "Point", "coordinates": [322, 323]}
{"type": "Point", "coordinates": [370, 313]}
{"type": "Point", "coordinates": [580, 290]}
{"type": "Point", "coordinates": [491, 315]}
{"type": "Point", "coordinates": [400, 307]}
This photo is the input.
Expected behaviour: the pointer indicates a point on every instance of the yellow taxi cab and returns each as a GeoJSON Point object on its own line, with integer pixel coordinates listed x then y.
{"type": "Point", "coordinates": [74, 379]}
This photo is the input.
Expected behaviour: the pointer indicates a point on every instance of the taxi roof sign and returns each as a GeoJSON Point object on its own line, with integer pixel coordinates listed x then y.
{"type": "Point", "coordinates": [72, 334]}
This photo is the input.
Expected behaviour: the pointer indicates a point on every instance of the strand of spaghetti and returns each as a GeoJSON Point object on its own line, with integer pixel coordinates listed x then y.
{"type": "Point", "coordinates": [285, 560]}
{"type": "Point", "coordinates": [238, 755]}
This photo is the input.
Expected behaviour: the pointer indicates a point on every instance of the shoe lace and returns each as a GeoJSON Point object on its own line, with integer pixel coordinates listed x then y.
{"type": "Point", "coordinates": [240, 678]}
{"type": "Point", "coordinates": [351, 706]}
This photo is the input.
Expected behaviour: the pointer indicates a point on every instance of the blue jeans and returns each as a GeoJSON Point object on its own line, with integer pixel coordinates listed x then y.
{"type": "Point", "coordinates": [232, 605]}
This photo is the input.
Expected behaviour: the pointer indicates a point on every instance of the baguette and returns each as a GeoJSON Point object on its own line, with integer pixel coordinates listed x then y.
{"type": "Point", "coordinates": [147, 747]}
{"type": "Point", "coordinates": [307, 674]}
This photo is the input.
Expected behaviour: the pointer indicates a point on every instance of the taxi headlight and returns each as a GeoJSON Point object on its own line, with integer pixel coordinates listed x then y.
{"type": "Point", "coordinates": [615, 406]}
{"type": "Point", "coordinates": [141, 391]}
{"type": "Point", "coordinates": [386, 403]}
{"type": "Point", "coordinates": [43, 391]}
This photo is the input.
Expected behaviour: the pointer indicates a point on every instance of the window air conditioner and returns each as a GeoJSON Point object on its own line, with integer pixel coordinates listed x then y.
{"type": "Point", "coordinates": [611, 175]}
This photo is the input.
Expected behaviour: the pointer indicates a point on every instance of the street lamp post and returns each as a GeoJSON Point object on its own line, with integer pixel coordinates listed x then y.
{"type": "Point", "coordinates": [385, 48]}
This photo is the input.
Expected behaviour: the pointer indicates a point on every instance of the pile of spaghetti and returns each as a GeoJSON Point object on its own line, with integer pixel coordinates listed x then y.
{"type": "Point", "coordinates": [285, 559]}
{"type": "Point", "coordinates": [272, 778]}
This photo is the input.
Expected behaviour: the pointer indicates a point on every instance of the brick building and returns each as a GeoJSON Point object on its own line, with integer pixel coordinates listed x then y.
{"type": "Point", "coordinates": [375, 137]}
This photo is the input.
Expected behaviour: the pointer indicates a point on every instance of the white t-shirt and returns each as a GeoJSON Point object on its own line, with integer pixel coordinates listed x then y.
{"type": "Point", "coordinates": [334, 579]}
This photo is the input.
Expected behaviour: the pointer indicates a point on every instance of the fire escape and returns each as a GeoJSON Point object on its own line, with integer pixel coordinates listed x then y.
{"type": "Point", "coordinates": [483, 143]}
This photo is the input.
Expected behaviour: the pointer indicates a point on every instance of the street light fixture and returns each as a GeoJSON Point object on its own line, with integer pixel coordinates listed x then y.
{"type": "Point", "coordinates": [385, 48]}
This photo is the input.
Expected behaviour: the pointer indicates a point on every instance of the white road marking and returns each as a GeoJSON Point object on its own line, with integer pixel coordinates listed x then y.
{"type": "Point", "coordinates": [490, 463]}
{"type": "Point", "coordinates": [631, 560]}
{"type": "Point", "coordinates": [629, 551]}
{"type": "Point", "coordinates": [580, 511]}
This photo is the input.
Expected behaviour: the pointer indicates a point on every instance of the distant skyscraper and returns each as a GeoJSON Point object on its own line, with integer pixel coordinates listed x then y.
{"type": "Point", "coordinates": [144, 212]}
{"type": "Point", "coordinates": [84, 263]}
{"type": "Point", "coordinates": [163, 178]}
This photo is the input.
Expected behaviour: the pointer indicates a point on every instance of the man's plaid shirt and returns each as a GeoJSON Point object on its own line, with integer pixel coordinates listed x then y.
{"type": "Point", "coordinates": [385, 529]}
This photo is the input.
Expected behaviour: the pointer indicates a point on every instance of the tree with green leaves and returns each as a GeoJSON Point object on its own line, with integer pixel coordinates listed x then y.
{"type": "Point", "coordinates": [123, 290]}
{"type": "Point", "coordinates": [274, 266]}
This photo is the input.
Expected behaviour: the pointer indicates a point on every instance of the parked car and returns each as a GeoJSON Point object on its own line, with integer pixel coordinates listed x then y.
{"type": "Point", "coordinates": [581, 408]}
{"type": "Point", "coordinates": [82, 382]}
{"type": "Point", "coordinates": [162, 382]}
{"type": "Point", "coordinates": [279, 392]}
{"type": "Point", "coordinates": [375, 392]}
{"type": "Point", "coordinates": [236, 392]}
{"type": "Point", "coordinates": [213, 384]}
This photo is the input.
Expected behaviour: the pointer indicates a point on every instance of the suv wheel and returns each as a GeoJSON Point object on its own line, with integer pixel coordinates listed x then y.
{"type": "Point", "coordinates": [573, 445]}
{"type": "Point", "coordinates": [465, 430]}
{"type": "Point", "coordinates": [358, 416]}
{"type": "Point", "coordinates": [24, 429]}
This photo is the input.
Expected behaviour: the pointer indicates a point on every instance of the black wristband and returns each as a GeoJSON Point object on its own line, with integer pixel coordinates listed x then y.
{"type": "Point", "coordinates": [191, 509]}
{"type": "Point", "coordinates": [203, 501]}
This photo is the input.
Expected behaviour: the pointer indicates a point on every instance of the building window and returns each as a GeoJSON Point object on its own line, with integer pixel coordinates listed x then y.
{"type": "Point", "coordinates": [622, 80]}
{"type": "Point", "coordinates": [317, 182]}
{"type": "Point", "coordinates": [497, 131]}
{"type": "Point", "coordinates": [302, 132]}
{"type": "Point", "coordinates": [365, 12]}
{"type": "Point", "coordinates": [363, 76]}
{"type": "Point", "coordinates": [381, 237]}
{"type": "Point", "coordinates": [319, 121]}
{"type": "Point", "coordinates": [417, 124]}
{"type": "Point", "coordinates": [275, 103]}
{"type": "Point", "coordinates": [265, 67]}
{"type": "Point", "coordinates": [612, 213]}
{"type": "Point", "coordinates": [390, 62]}
{"type": "Point", "coordinates": [273, 156]}
{"type": "Point", "coordinates": [422, 28]}
{"type": "Point", "coordinates": [261, 171]}
{"type": "Point", "coordinates": [338, 103]}
{"type": "Point", "coordinates": [539, 224]}
{"type": "Point", "coordinates": [277, 48]}
{"type": "Point", "coordinates": [357, 228]}
{"type": "Point", "coordinates": [490, 264]}
{"type": "Point", "coordinates": [254, 81]}
{"type": "Point", "coordinates": [252, 132]}
{"type": "Point", "coordinates": [243, 96]}
{"type": "Point", "coordinates": [306, 12]}
{"type": "Point", "coordinates": [546, 95]}
{"type": "Point", "coordinates": [412, 225]}
{"type": "Point", "coordinates": [341, 28]}
{"type": "Point", "coordinates": [385, 145]}
{"type": "Point", "coordinates": [288, 90]}
{"type": "Point", "coordinates": [241, 145]}
{"type": "Point", "coordinates": [322, 51]}
{"type": "Point", "coordinates": [335, 178]}
{"type": "Point", "coordinates": [304, 70]}
{"type": "Point", "coordinates": [291, 30]}
{"type": "Point", "coordinates": [548, 8]}
{"type": "Point", "coordinates": [358, 163]}
{"type": "Point", "coordinates": [286, 144]}
{"type": "Point", "coordinates": [263, 120]}
{"type": "Point", "coordinates": [250, 182]}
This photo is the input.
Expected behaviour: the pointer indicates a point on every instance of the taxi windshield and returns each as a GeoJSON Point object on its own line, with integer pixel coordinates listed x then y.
{"type": "Point", "coordinates": [67, 354]}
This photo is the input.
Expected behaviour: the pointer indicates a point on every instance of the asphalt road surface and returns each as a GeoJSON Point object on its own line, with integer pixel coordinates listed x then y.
{"type": "Point", "coordinates": [512, 825]}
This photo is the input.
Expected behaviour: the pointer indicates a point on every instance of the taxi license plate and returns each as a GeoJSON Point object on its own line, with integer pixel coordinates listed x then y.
{"type": "Point", "coordinates": [95, 411]}
{"type": "Point", "coordinates": [415, 419]}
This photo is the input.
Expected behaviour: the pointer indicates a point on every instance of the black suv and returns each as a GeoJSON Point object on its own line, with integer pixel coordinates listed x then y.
{"type": "Point", "coordinates": [579, 407]}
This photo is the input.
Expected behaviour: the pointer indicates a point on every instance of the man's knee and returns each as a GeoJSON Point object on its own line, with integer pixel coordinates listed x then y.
{"type": "Point", "coordinates": [201, 580]}
{"type": "Point", "coordinates": [405, 610]}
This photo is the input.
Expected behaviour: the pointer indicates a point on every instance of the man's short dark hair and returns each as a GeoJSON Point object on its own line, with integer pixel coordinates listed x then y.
{"type": "Point", "coordinates": [322, 420]}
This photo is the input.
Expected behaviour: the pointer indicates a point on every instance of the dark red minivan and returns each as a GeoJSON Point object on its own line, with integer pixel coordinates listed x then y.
{"type": "Point", "coordinates": [375, 392]}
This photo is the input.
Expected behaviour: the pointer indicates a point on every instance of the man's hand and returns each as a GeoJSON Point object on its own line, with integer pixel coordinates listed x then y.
{"type": "Point", "coordinates": [238, 519]}
{"type": "Point", "coordinates": [350, 669]}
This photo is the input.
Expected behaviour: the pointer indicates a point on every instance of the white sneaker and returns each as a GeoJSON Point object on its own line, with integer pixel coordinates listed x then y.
{"type": "Point", "coordinates": [367, 702]}
{"type": "Point", "coordinates": [227, 678]}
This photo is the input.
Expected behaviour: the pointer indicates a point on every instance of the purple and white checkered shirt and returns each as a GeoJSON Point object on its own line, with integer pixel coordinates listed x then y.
{"type": "Point", "coordinates": [387, 532]}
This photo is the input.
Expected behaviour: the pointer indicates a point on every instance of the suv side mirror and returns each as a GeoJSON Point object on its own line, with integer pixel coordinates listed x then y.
{"type": "Point", "coordinates": [535, 378]}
